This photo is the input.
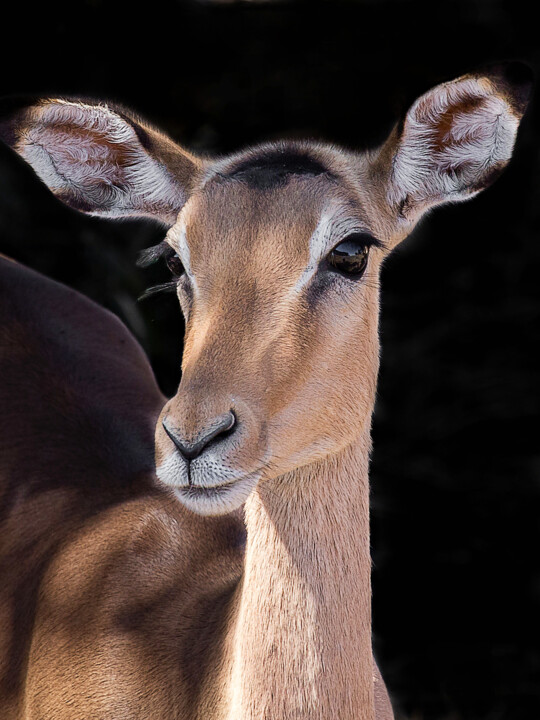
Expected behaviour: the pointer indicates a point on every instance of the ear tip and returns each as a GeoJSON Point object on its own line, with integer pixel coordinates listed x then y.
{"type": "Point", "coordinates": [515, 79]}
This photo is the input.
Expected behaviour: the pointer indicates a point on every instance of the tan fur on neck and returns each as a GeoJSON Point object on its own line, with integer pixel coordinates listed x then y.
{"type": "Point", "coordinates": [302, 642]}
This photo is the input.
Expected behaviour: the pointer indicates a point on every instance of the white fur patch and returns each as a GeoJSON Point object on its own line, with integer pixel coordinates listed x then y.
{"type": "Point", "coordinates": [215, 488]}
{"type": "Point", "coordinates": [333, 226]}
{"type": "Point", "coordinates": [453, 137]}
{"type": "Point", "coordinates": [177, 239]}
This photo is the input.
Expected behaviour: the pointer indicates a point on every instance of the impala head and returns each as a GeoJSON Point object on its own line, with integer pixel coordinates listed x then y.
{"type": "Point", "coordinates": [277, 253]}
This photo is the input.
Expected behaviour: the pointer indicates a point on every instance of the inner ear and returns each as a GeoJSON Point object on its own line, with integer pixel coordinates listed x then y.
{"type": "Point", "coordinates": [102, 160]}
{"type": "Point", "coordinates": [446, 127]}
{"type": "Point", "coordinates": [455, 140]}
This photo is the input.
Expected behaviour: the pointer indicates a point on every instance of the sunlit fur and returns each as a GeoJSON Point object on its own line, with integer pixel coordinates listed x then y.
{"type": "Point", "coordinates": [291, 348]}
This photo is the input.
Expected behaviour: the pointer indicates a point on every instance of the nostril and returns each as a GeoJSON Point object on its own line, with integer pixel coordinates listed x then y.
{"type": "Point", "coordinates": [217, 429]}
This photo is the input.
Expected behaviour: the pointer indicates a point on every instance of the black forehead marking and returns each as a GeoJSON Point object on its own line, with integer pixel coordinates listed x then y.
{"type": "Point", "coordinates": [273, 168]}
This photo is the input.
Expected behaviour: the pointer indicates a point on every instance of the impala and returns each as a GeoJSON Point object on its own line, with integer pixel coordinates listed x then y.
{"type": "Point", "coordinates": [235, 585]}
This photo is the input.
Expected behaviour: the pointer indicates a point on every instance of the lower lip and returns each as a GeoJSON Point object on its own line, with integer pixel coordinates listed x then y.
{"type": "Point", "coordinates": [196, 491]}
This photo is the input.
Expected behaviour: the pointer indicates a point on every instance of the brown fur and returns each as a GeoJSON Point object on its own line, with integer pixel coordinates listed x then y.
{"type": "Point", "coordinates": [114, 598]}
{"type": "Point", "coordinates": [118, 600]}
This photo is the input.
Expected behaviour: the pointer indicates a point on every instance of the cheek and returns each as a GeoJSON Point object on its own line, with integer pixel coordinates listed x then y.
{"type": "Point", "coordinates": [333, 402]}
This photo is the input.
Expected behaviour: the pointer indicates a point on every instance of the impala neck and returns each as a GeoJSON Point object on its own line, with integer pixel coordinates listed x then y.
{"type": "Point", "coordinates": [302, 644]}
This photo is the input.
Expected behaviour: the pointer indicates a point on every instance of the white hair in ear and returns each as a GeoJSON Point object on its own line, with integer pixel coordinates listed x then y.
{"type": "Point", "coordinates": [102, 161]}
{"type": "Point", "coordinates": [455, 139]}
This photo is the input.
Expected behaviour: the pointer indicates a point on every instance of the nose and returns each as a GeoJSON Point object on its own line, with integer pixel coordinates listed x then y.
{"type": "Point", "coordinates": [215, 430]}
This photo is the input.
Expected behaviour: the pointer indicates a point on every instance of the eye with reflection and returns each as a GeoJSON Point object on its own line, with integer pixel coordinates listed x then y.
{"type": "Point", "coordinates": [350, 256]}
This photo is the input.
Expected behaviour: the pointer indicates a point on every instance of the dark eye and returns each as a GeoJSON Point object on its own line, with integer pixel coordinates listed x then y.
{"type": "Point", "coordinates": [174, 264]}
{"type": "Point", "coordinates": [351, 255]}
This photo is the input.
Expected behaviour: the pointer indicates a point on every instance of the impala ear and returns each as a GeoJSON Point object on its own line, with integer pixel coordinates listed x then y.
{"type": "Point", "coordinates": [101, 160]}
{"type": "Point", "coordinates": [455, 140]}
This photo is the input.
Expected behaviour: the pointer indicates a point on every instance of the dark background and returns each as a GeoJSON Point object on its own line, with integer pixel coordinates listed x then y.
{"type": "Point", "coordinates": [456, 467]}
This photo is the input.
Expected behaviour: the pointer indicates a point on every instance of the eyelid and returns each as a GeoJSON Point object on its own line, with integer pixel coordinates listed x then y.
{"type": "Point", "coordinates": [365, 238]}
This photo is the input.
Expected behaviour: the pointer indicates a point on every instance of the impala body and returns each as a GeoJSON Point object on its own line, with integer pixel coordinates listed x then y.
{"type": "Point", "coordinates": [235, 584]}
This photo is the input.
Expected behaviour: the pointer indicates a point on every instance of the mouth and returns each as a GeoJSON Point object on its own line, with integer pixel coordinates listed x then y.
{"type": "Point", "coordinates": [206, 486]}
{"type": "Point", "coordinates": [216, 491]}
{"type": "Point", "coordinates": [216, 499]}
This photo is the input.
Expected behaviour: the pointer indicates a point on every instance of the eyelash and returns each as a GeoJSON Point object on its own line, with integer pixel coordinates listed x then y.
{"type": "Point", "coordinates": [160, 288]}
{"type": "Point", "coordinates": [150, 256]}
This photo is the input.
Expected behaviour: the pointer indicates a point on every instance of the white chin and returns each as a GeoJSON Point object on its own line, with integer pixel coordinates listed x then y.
{"type": "Point", "coordinates": [218, 500]}
{"type": "Point", "coordinates": [209, 493]}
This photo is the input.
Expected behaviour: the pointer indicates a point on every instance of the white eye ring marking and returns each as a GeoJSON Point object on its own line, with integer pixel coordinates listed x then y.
{"type": "Point", "coordinates": [176, 237]}
{"type": "Point", "coordinates": [334, 225]}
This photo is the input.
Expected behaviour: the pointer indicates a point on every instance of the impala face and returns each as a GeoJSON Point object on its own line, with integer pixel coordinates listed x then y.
{"type": "Point", "coordinates": [278, 286]}
{"type": "Point", "coordinates": [276, 254]}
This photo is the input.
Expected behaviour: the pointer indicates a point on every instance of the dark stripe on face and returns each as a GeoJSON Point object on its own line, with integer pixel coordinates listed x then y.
{"type": "Point", "coordinates": [273, 168]}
